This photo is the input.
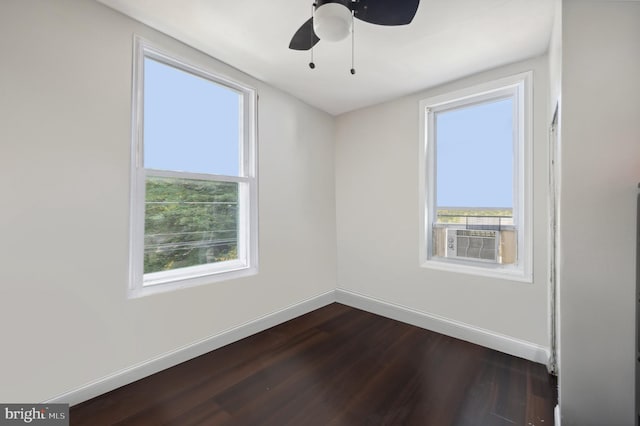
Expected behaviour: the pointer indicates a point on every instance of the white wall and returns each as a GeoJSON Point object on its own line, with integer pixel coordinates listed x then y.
{"type": "Point", "coordinates": [377, 151]}
{"type": "Point", "coordinates": [65, 109]}
{"type": "Point", "coordinates": [600, 174]}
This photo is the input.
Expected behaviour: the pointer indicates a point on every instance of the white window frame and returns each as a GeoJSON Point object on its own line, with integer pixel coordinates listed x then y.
{"type": "Point", "coordinates": [519, 88]}
{"type": "Point", "coordinates": [141, 284]}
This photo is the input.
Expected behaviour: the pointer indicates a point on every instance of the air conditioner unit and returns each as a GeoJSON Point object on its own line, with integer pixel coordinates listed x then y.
{"type": "Point", "coordinates": [479, 245]}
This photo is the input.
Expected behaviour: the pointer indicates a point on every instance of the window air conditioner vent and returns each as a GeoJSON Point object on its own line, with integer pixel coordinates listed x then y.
{"type": "Point", "coordinates": [473, 244]}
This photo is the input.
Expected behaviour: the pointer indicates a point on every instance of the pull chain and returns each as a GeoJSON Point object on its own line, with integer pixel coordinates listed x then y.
{"type": "Point", "coordinates": [312, 65]}
{"type": "Point", "coordinates": [353, 43]}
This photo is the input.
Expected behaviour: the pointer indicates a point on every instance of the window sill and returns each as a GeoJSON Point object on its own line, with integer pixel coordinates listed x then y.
{"type": "Point", "coordinates": [484, 270]}
{"type": "Point", "coordinates": [162, 283]}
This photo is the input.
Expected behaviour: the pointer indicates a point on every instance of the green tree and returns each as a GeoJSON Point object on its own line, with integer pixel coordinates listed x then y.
{"type": "Point", "coordinates": [189, 222]}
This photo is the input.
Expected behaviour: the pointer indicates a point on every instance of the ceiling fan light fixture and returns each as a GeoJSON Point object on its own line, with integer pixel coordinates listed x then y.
{"type": "Point", "coordinates": [332, 22]}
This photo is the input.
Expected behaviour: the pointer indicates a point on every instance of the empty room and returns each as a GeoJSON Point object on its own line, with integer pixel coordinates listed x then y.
{"type": "Point", "coordinates": [342, 212]}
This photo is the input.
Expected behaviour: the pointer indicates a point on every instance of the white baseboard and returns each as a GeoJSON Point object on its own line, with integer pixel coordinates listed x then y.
{"type": "Point", "coordinates": [175, 357]}
{"type": "Point", "coordinates": [449, 327]}
{"type": "Point", "coordinates": [556, 416]}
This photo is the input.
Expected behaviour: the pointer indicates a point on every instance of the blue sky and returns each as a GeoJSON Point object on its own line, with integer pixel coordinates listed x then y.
{"type": "Point", "coordinates": [474, 150]}
{"type": "Point", "coordinates": [190, 124]}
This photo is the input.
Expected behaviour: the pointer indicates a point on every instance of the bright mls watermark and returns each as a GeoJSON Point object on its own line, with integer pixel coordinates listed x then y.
{"type": "Point", "coordinates": [36, 414]}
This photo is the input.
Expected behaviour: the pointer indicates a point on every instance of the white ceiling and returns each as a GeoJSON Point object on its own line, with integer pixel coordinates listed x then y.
{"type": "Point", "coordinates": [448, 39]}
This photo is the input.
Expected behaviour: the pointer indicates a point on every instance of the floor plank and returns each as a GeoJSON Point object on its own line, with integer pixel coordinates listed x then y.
{"type": "Point", "coordinates": [336, 366]}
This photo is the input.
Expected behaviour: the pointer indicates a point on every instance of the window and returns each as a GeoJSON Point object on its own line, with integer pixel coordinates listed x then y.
{"type": "Point", "coordinates": [475, 185]}
{"type": "Point", "coordinates": [193, 175]}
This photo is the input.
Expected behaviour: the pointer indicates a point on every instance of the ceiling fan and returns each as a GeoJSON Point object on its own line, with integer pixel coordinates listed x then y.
{"type": "Point", "coordinates": [332, 19]}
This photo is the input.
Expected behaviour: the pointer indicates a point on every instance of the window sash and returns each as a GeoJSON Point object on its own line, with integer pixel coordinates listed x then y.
{"type": "Point", "coordinates": [154, 278]}
{"type": "Point", "coordinates": [246, 136]}
{"type": "Point", "coordinates": [495, 96]}
{"type": "Point", "coordinates": [458, 104]}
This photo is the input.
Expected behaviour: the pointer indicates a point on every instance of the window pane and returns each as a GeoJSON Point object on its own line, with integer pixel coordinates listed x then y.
{"type": "Point", "coordinates": [474, 157]}
{"type": "Point", "coordinates": [474, 183]}
{"type": "Point", "coordinates": [190, 124]}
{"type": "Point", "coordinates": [189, 222]}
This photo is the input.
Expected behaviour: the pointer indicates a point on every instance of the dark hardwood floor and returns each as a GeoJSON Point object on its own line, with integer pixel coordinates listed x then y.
{"type": "Point", "coordinates": [336, 366]}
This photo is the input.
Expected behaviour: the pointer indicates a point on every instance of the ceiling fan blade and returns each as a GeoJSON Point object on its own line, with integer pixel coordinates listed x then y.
{"type": "Point", "coordinates": [305, 38]}
{"type": "Point", "coordinates": [386, 12]}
